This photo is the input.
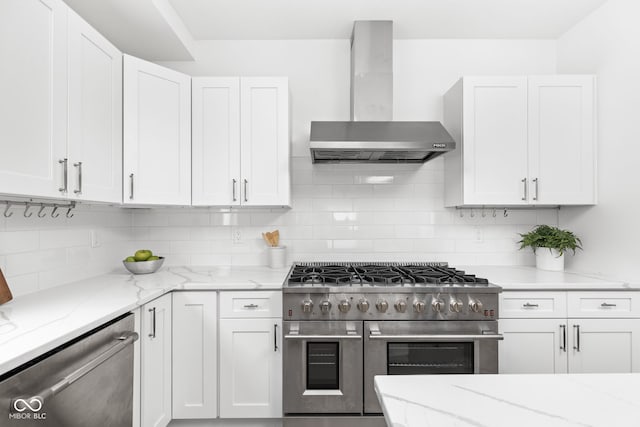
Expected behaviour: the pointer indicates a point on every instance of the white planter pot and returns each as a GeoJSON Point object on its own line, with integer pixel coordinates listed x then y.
{"type": "Point", "coordinates": [549, 259]}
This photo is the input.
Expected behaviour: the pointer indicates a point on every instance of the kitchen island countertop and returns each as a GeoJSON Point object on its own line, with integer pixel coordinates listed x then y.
{"type": "Point", "coordinates": [553, 400]}
{"type": "Point", "coordinates": [33, 324]}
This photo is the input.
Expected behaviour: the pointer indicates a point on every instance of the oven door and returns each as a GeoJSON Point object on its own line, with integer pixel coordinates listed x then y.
{"type": "Point", "coordinates": [427, 347]}
{"type": "Point", "coordinates": [322, 367]}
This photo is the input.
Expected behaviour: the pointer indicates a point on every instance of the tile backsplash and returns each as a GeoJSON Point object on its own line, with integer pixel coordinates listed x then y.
{"type": "Point", "coordinates": [346, 212]}
{"type": "Point", "coordinates": [340, 212]}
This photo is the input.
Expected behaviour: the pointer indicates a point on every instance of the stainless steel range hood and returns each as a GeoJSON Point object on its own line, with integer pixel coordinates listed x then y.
{"type": "Point", "coordinates": [372, 136]}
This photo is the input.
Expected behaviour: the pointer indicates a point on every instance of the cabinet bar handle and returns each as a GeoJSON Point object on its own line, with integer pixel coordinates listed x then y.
{"type": "Point", "coordinates": [535, 189]}
{"type": "Point", "coordinates": [152, 334]}
{"type": "Point", "coordinates": [606, 304]}
{"type": "Point", "coordinates": [576, 329]}
{"type": "Point", "coordinates": [524, 188]}
{"type": "Point", "coordinates": [251, 306]}
{"type": "Point", "coordinates": [563, 346]}
{"type": "Point", "coordinates": [79, 189]}
{"type": "Point", "coordinates": [529, 305]}
{"type": "Point", "coordinates": [130, 186]}
{"type": "Point", "coordinates": [65, 177]}
{"type": "Point", "coordinates": [275, 337]}
{"type": "Point", "coordinates": [245, 190]}
{"type": "Point", "coordinates": [233, 189]}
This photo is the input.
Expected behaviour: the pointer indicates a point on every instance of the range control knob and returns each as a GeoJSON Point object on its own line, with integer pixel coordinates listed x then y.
{"type": "Point", "coordinates": [419, 306]}
{"type": "Point", "coordinates": [382, 305]}
{"type": "Point", "coordinates": [325, 306]}
{"type": "Point", "coordinates": [455, 306]}
{"type": "Point", "coordinates": [475, 305]}
{"type": "Point", "coordinates": [307, 306]}
{"type": "Point", "coordinates": [363, 305]}
{"type": "Point", "coordinates": [437, 305]}
{"type": "Point", "coordinates": [344, 306]}
{"type": "Point", "coordinates": [400, 306]}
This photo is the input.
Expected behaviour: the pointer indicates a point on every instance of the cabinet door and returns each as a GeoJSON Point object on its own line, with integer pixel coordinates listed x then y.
{"type": "Point", "coordinates": [194, 355]}
{"type": "Point", "coordinates": [495, 140]}
{"type": "Point", "coordinates": [562, 139]}
{"type": "Point", "coordinates": [216, 141]}
{"type": "Point", "coordinates": [533, 346]}
{"type": "Point", "coordinates": [33, 100]}
{"type": "Point", "coordinates": [95, 115]}
{"type": "Point", "coordinates": [156, 363]}
{"type": "Point", "coordinates": [157, 134]}
{"type": "Point", "coordinates": [604, 345]}
{"type": "Point", "coordinates": [250, 368]}
{"type": "Point", "coordinates": [264, 141]}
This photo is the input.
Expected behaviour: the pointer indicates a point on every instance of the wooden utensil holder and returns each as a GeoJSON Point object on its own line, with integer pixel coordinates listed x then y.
{"type": "Point", "coordinates": [5, 292]}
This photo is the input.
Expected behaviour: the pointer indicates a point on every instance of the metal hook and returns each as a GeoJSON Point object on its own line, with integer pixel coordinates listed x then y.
{"type": "Point", "coordinates": [484, 214]}
{"type": "Point", "coordinates": [6, 211]}
{"type": "Point", "coordinates": [53, 212]}
{"type": "Point", "coordinates": [472, 214]}
{"type": "Point", "coordinates": [494, 213]}
{"type": "Point", "coordinates": [505, 214]}
{"type": "Point", "coordinates": [41, 213]}
{"type": "Point", "coordinates": [461, 213]}
{"type": "Point", "coordinates": [26, 209]}
{"type": "Point", "coordinates": [69, 214]}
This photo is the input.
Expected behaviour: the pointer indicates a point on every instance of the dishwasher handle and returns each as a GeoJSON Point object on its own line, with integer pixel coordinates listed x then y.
{"type": "Point", "coordinates": [124, 340]}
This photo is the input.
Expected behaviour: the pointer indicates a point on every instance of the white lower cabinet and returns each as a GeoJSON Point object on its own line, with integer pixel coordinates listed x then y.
{"type": "Point", "coordinates": [155, 370]}
{"type": "Point", "coordinates": [591, 343]}
{"type": "Point", "coordinates": [195, 355]}
{"type": "Point", "coordinates": [250, 355]}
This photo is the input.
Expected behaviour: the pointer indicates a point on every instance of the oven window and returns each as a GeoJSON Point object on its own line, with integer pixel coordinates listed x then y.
{"type": "Point", "coordinates": [417, 358]}
{"type": "Point", "coordinates": [322, 365]}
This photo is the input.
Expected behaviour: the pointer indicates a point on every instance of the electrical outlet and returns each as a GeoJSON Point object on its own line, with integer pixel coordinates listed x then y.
{"type": "Point", "coordinates": [95, 241]}
{"type": "Point", "coordinates": [236, 237]}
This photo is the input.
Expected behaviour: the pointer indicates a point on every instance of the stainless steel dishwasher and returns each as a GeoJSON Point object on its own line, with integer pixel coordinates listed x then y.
{"type": "Point", "coordinates": [85, 382]}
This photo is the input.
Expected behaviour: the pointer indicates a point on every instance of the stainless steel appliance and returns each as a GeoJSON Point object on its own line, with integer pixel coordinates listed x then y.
{"type": "Point", "coordinates": [344, 323]}
{"type": "Point", "coordinates": [372, 136]}
{"type": "Point", "coordinates": [86, 382]}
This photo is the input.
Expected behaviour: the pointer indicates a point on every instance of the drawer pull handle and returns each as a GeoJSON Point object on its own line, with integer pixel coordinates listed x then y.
{"type": "Point", "coordinates": [606, 304]}
{"type": "Point", "coordinates": [529, 305]}
{"type": "Point", "coordinates": [563, 346]}
{"type": "Point", "coordinates": [251, 306]}
{"type": "Point", "coordinates": [576, 329]}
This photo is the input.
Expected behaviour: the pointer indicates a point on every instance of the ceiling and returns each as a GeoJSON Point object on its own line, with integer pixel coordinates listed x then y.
{"type": "Point", "coordinates": [413, 19]}
{"type": "Point", "coordinates": [166, 30]}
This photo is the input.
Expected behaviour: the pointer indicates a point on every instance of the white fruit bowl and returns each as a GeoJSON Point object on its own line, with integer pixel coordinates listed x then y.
{"type": "Point", "coordinates": [144, 267]}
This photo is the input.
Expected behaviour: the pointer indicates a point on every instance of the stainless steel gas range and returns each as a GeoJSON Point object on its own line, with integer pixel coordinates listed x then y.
{"type": "Point", "coordinates": [344, 323]}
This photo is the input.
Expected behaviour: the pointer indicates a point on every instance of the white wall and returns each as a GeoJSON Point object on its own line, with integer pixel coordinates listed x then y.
{"type": "Point", "coordinates": [607, 43]}
{"type": "Point", "coordinates": [339, 212]}
{"type": "Point", "coordinates": [40, 253]}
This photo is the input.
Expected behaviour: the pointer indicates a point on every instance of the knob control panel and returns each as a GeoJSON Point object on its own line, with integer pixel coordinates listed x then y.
{"type": "Point", "coordinates": [419, 306]}
{"type": "Point", "coordinates": [325, 306]}
{"type": "Point", "coordinates": [344, 306]}
{"type": "Point", "coordinates": [455, 306]}
{"type": "Point", "coordinates": [382, 305]}
{"type": "Point", "coordinates": [307, 306]}
{"type": "Point", "coordinates": [401, 306]}
{"type": "Point", "coordinates": [475, 305]}
{"type": "Point", "coordinates": [437, 305]}
{"type": "Point", "coordinates": [363, 305]}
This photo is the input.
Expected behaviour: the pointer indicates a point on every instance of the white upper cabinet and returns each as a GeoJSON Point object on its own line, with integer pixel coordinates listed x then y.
{"type": "Point", "coordinates": [241, 141]}
{"type": "Point", "coordinates": [562, 140]}
{"type": "Point", "coordinates": [33, 101]}
{"type": "Point", "coordinates": [157, 135]}
{"type": "Point", "coordinates": [95, 115]}
{"type": "Point", "coordinates": [521, 141]}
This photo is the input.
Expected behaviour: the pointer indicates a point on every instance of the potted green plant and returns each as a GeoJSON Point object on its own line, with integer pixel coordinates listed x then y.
{"type": "Point", "coordinates": [553, 243]}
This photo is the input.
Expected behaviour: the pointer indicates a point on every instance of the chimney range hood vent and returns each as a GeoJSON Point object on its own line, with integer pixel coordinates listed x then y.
{"type": "Point", "coordinates": [372, 136]}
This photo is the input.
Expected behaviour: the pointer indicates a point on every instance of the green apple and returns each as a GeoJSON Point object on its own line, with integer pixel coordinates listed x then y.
{"type": "Point", "coordinates": [153, 258]}
{"type": "Point", "coordinates": [142, 255]}
{"type": "Point", "coordinates": [130, 259]}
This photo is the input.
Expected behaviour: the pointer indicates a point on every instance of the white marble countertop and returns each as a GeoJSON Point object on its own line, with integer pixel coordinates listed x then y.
{"type": "Point", "coordinates": [36, 323]}
{"type": "Point", "coordinates": [524, 278]}
{"type": "Point", "coordinates": [562, 400]}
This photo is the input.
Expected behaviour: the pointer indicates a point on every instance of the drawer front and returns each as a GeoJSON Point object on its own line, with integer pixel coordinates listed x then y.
{"type": "Point", "coordinates": [522, 305]}
{"type": "Point", "coordinates": [604, 304]}
{"type": "Point", "coordinates": [250, 304]}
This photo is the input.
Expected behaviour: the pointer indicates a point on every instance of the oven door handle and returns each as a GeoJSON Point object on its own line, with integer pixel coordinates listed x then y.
{"type": "Point", "coordinates": [323, 337]}
{"type": "Point", "coordinates": [436, 337]}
